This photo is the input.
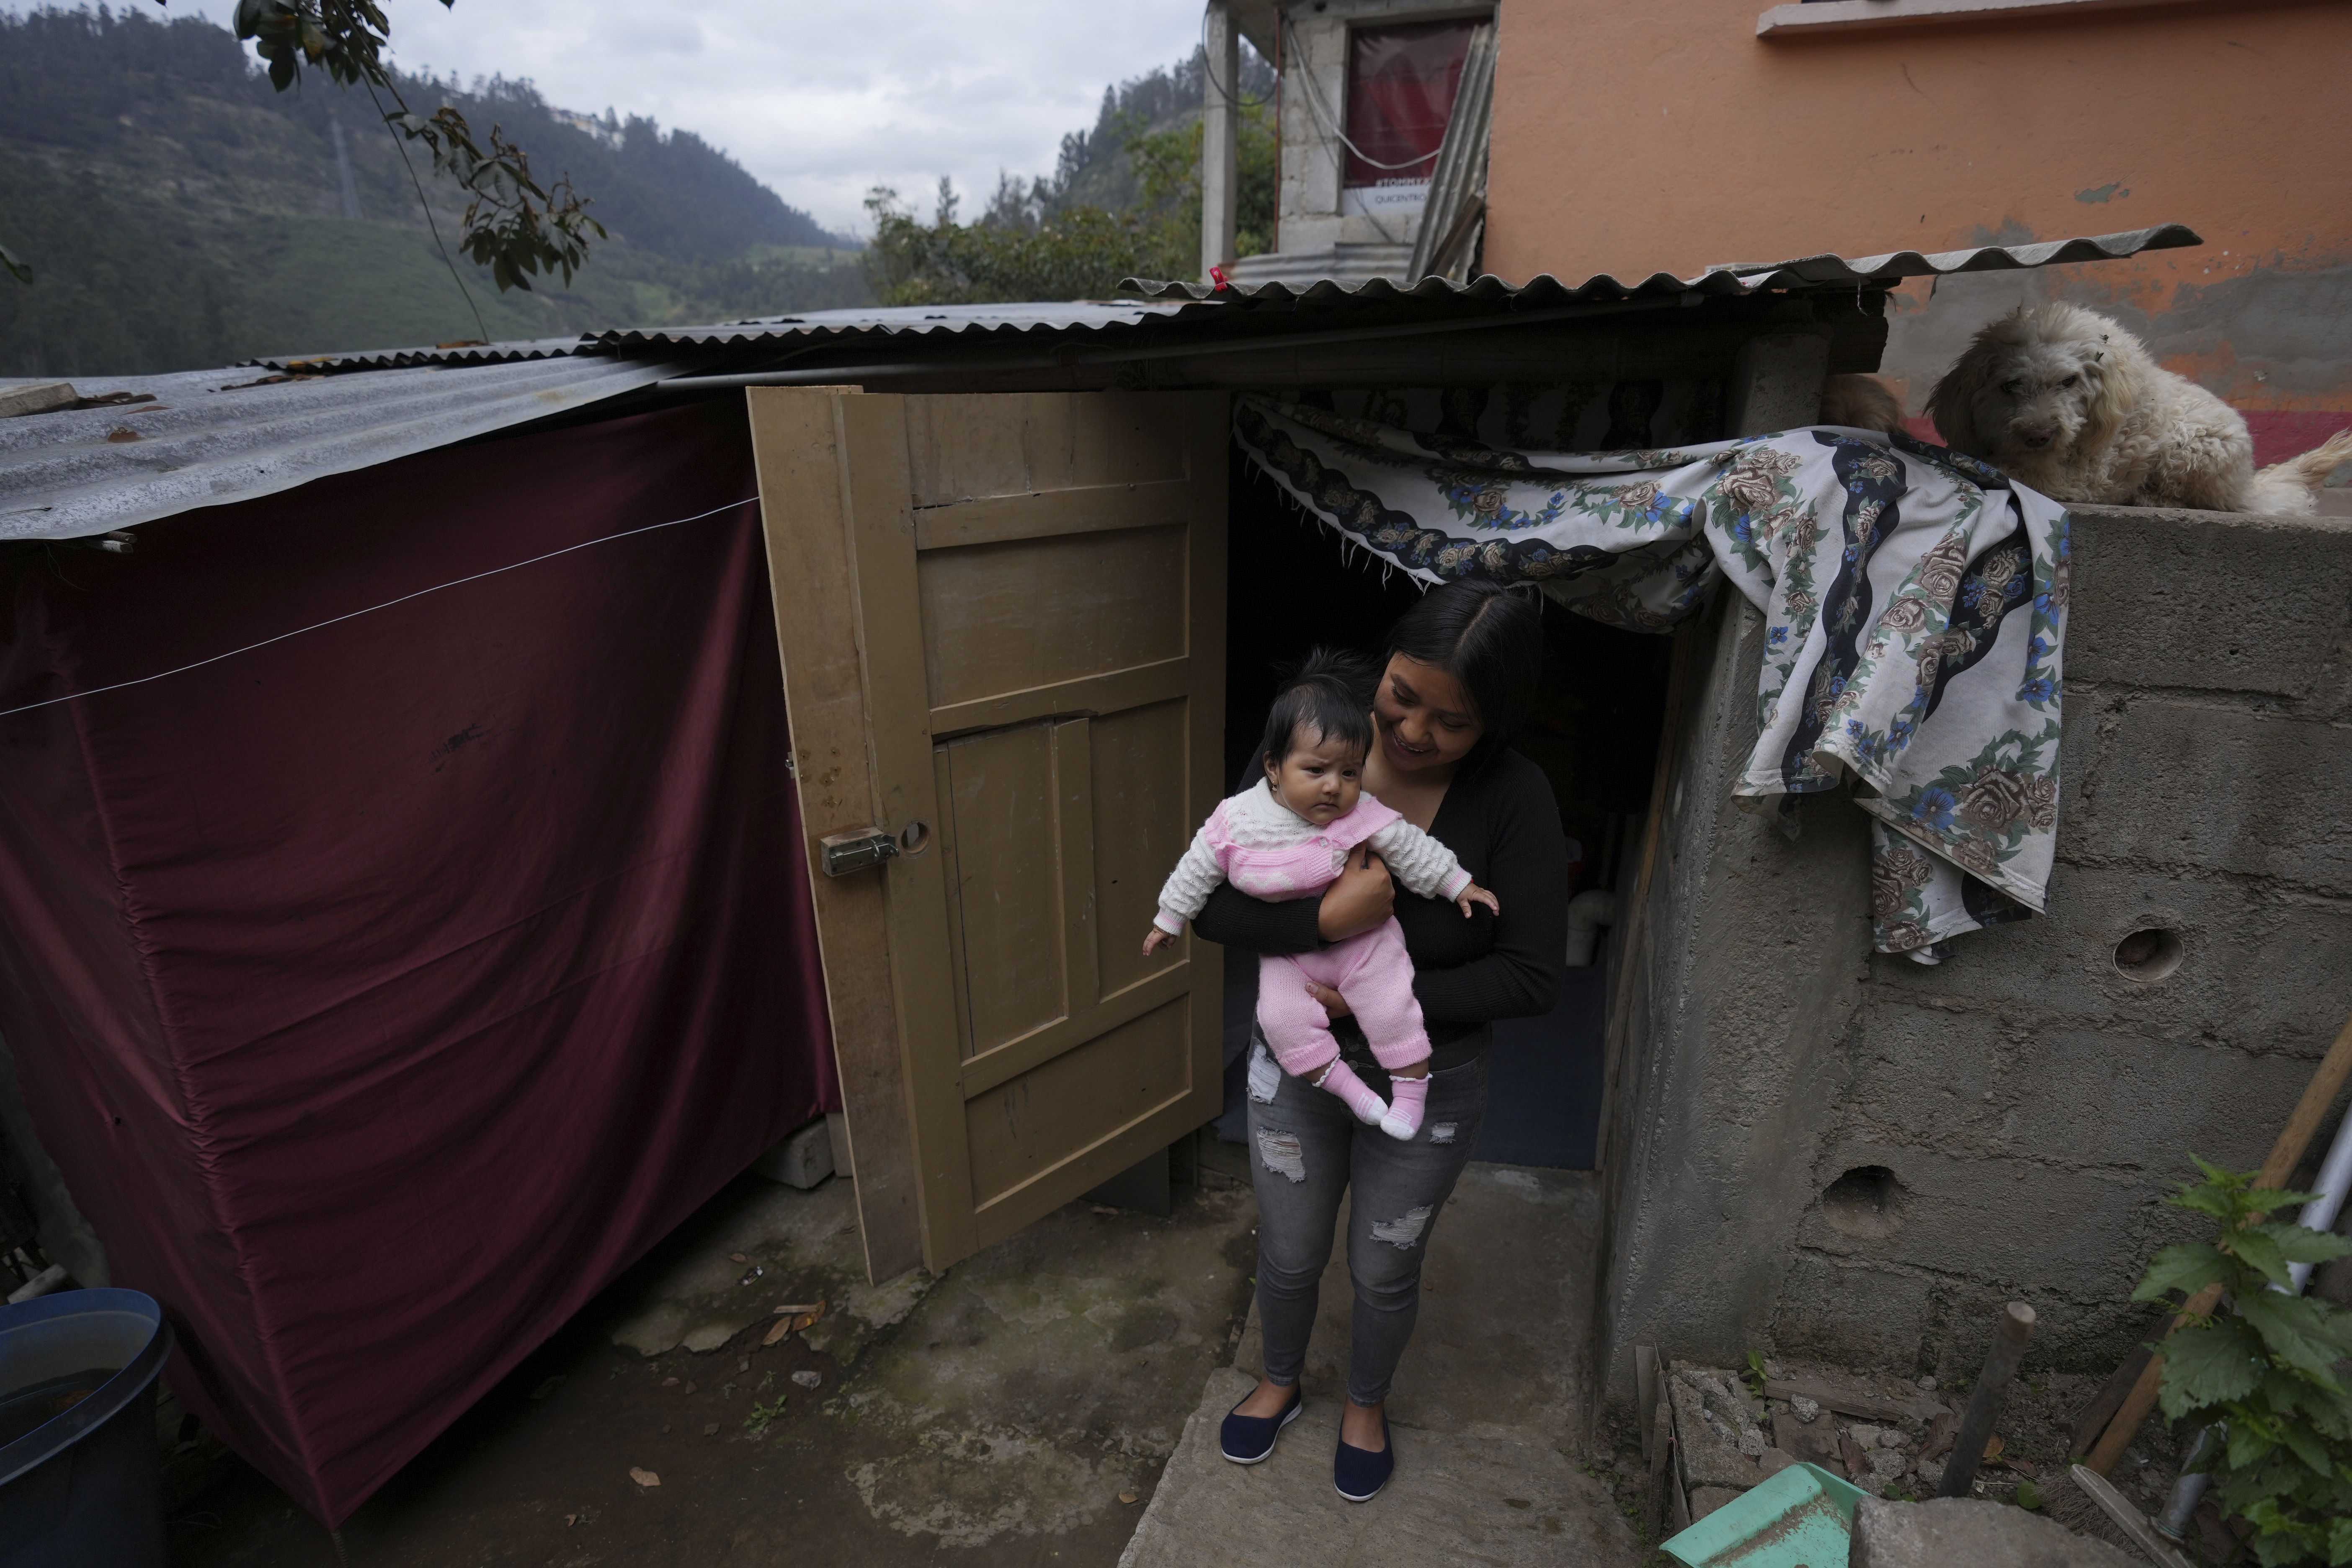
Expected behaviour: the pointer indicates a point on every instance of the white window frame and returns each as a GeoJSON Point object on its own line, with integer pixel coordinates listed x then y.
{"type": "Point", "coordinates": [1825, 17]}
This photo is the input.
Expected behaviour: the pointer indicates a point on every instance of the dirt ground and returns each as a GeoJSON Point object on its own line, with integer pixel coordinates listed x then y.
{"type": "Point", "coordinates": [2035, 1426]}
{"type": "Point", "coordinates": [1016, 1410]}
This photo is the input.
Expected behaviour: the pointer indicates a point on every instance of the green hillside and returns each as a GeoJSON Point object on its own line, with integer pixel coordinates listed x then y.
{"type": "Point", "coordinates": [178, 213]}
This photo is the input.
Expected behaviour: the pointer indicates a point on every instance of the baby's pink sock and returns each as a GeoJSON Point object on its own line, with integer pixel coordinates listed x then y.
{"type": "Point", "coordinates": [1411, 1096]}
{"type": "Point", "coordinates": [1370, 1108]}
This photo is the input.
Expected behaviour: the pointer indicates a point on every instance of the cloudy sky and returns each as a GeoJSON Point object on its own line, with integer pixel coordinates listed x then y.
{"type": "Point", "coordinates": [818, 100]}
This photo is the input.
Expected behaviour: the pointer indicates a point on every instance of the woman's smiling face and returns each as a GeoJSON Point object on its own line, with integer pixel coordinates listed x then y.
{"type": "Point", "coordinates": [1424, 718]}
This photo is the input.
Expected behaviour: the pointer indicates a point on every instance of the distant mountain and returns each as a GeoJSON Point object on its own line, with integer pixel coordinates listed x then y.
{"type": "Point", "coordinates": [179, 213]}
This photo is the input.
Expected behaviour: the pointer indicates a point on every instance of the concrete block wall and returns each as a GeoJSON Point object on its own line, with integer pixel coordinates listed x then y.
{"type": "Point", "coordinates": [1316, 56]}
{"type": "Point", "coordinates": [1831, 1153]}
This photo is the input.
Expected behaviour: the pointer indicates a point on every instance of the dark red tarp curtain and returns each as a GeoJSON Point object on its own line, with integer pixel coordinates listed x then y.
{"type": "Point", "coordinates": [384, 991]}
{"type": "Point", "coordinates": [1401, 83]}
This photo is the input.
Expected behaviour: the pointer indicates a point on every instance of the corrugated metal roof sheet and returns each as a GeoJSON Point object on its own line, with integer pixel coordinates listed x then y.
{"type": "Point", "coordinates": [1805, 272]}
{"type": "Point", "coordinates": [512, 353]}
{"type": "Point", "coordinates": [210, 437]}
{"type": "Point", "coordinates": [937, 323]}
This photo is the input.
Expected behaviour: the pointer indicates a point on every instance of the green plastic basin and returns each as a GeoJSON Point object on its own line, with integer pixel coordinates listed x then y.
{"type": "Point", "coordinates": [1802, 1518]}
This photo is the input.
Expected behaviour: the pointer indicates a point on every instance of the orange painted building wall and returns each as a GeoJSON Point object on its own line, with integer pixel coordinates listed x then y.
{"type": "Point", "coordinates": [1667, 136]}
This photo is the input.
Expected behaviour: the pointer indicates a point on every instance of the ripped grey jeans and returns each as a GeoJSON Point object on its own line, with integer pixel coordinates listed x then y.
{"type": "Point", "coordinates": [1309, 1149]}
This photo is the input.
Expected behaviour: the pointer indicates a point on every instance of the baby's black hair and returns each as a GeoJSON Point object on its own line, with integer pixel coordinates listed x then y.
{"type": "Point", "coordinates": [1328, 693]}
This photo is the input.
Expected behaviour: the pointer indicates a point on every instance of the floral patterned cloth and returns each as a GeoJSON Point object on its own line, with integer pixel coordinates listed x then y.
{"type": "Point", "coordinates": [1915, 603]}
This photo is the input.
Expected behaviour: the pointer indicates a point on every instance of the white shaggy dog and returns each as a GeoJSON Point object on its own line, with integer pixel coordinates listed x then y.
{"type": "Point", "coordinates": [2070, 403]}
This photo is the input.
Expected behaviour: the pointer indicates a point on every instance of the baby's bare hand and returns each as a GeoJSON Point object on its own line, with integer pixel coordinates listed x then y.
{"type": "Point", "coordinates": [1157, 940]}
{"type": "Point", "coordinates": [1474, 894]}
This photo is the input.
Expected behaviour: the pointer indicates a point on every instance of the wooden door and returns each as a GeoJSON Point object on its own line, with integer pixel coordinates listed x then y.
{"type": "Point", "coordinates": [1003, 625]}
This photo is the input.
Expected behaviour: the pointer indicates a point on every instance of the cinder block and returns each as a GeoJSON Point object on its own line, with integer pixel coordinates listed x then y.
{"type": "Point", "coordinates": [1852, 1314]}
{"type": "Point", "coordinates": [1922, 1074]}
{"type": "Point", "coordinates": [801, 1158]}
{"type": "Point", "coordinates": [2219, 788]}
{"type": "Point", "coordinates": [2122, 1101]}
{"type": "Point", "coordinates": [2252, 968]}
{"type": "Point", "coordinates": [2205, 601]}
{"type": "Point", "coordinates": [1991, 1217]}
{"type": "Point", "coordinates": [38, 397]}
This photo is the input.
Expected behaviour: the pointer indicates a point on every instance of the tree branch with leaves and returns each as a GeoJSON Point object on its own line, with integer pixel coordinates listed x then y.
{"type": "Point", "coordinates": [513, 226]}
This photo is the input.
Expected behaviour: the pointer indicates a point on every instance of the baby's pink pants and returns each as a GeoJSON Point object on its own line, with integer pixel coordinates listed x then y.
{"type": "Point", "coordinates": [1372, 970]}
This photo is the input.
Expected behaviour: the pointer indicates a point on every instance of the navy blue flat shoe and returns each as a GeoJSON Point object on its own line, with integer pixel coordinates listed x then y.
{"type": "Point", "coordinates": [1249, 1439]}
{"type": "Point", "coordinates": [1359, 1474]}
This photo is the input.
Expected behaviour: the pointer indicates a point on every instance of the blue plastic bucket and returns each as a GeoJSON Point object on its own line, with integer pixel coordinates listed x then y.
{"type": "Point", "coordinates": [81, 1477]}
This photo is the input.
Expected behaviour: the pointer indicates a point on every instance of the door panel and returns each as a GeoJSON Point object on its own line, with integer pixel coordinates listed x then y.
{"type": "Point", "coordinates": [1118, 597]}
{"type": "Point", "coordinates": [1006, 888]}
{"type": "Point", "coordinates": [1031, 1127]}
{"type": "Point", "coordinates": [1141, 830]}
{"type": "Point", "coordinates": [1035, 588]}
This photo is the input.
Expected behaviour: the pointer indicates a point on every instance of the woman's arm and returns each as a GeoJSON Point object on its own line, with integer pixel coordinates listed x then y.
{"type": "Point", "coordinates": [1527, 871]}
{"type": "Point", "coordinates": [1362, 899]}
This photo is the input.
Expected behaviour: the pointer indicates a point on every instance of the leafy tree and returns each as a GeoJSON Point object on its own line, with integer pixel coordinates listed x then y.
{"type": "Point", "coordinates": [1080, 253]}
{"type": "Point", "coordinates": [2269, 1371]}
{"type": "Point", "coordinates": [1031, 244]}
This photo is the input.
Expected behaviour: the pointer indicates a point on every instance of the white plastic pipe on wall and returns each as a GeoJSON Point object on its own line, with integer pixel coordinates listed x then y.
{"type": "Point", "coordinates": [2334, 1181]}
{"type": "Point", "coordinates": [1587, 913]}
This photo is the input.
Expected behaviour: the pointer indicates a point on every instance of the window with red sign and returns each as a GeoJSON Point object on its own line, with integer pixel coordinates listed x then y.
{"type": "Point", "coordinates": [1400, 87]}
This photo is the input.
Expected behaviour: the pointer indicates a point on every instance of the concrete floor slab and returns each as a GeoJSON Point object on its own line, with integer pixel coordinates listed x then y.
{"type": "Point", "coordinates": [1486, 1412]}
{"type": "Point", "coordinates": [1499, 1496]}
{"type": "Point", "coordinates": [1013, 1413]}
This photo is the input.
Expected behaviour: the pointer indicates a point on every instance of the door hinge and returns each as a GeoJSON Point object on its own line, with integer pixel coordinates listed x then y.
{"type": "Point", "coordinates": [857, 849]}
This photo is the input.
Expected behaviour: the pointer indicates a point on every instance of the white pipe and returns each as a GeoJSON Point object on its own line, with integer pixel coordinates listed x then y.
{"type": "Point", "coordinates": [2334, 1181]}
{"type": "Point", "coordinates": [1587, 913]}
{"type": "Point", "coordinates": [40, 1284]}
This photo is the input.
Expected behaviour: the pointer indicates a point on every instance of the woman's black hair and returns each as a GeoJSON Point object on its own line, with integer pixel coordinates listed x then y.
{"type": "Point", "coordinates": [1488, 638]}
{"type": "Point", "coordinates": [1328, 692]}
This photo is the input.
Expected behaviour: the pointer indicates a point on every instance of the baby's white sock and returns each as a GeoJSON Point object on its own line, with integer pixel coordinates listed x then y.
{"type": "Point", "coordinates": [1370, 1108]}
{"type": "Point", "coordinates": [1404, 1118]}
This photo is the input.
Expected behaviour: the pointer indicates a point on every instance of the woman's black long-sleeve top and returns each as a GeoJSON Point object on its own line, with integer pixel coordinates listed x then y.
{"type": "Point", "coordinates": [1502, 822]}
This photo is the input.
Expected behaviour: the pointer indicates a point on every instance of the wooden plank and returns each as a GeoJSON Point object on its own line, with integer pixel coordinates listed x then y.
{"type": "Point", "coordinates": [1010, 1060]}
{"type": "Point", "coordinates": [1005, 900]}
{"type": "Point", "coordinates": [1207, 430]}
{"type": "Point", "coordinates": [1008, 617]}
{"type": "Point", "coordinates": [1073, 861]}
{"type": "Point", "coordinates": [1088, 694]}
{"type": "Point", "coordinates": [1849, 1400]}
{"type": "Point", "coordinates": [991, 520]}
{"type": "Point", "coordinates": [961, 450]}
{"type": "Point", "coordinates": [1082, 1118]}
{"type": "Point", "coordinates": [797, 459]}
{"type": "Point", "coordinates": [873, 443]}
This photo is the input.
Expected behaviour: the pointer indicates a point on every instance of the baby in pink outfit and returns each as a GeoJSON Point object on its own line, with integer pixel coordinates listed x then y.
{"type": "Point", "coordinates": [1288, 837]}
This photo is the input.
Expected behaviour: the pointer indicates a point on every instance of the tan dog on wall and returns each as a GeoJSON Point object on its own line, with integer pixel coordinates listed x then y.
{"type": "Point", "coordinates": [2070, 403]}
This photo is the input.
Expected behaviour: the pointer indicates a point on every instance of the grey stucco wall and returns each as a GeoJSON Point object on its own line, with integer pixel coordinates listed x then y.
{"type": "Point", "coordinates": [2032, 1103]}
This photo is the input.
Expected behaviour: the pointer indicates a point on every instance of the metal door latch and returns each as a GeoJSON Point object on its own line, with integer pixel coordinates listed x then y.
{"type": "Point", "coordinates": [857, 849]}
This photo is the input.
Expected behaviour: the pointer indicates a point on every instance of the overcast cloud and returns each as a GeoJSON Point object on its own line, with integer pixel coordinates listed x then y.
{"type": "Point", "coordinates": [820, 101]}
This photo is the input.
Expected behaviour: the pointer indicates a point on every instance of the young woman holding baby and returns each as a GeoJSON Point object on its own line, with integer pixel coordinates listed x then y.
{"type": "Point", "coordinates": [1484, 941]}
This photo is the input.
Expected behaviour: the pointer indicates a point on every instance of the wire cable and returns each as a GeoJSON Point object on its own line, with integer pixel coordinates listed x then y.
{"type": "Point", "coordinates": [1209, 70]}
{"type": "Point", "coordinates": [1324, 118]}
{"type": "Point", "coordinates": [401, 144]}
{"type": "Point", "coordinates": [354, 615]}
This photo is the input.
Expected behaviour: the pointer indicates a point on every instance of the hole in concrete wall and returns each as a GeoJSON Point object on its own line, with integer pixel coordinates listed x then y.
{"type": "Point", "coordinates": [2148, 954]}
{"type": "Point", "coordinates": [1867, 1201]}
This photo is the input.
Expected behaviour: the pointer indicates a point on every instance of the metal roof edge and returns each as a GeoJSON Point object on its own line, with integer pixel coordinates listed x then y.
{"type": "Point", "coordinates": [1822, 271]}
{"type": "Point", "coordinates": [78, 473]}
{"type": "Point", "coordinates": [514, 351]}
